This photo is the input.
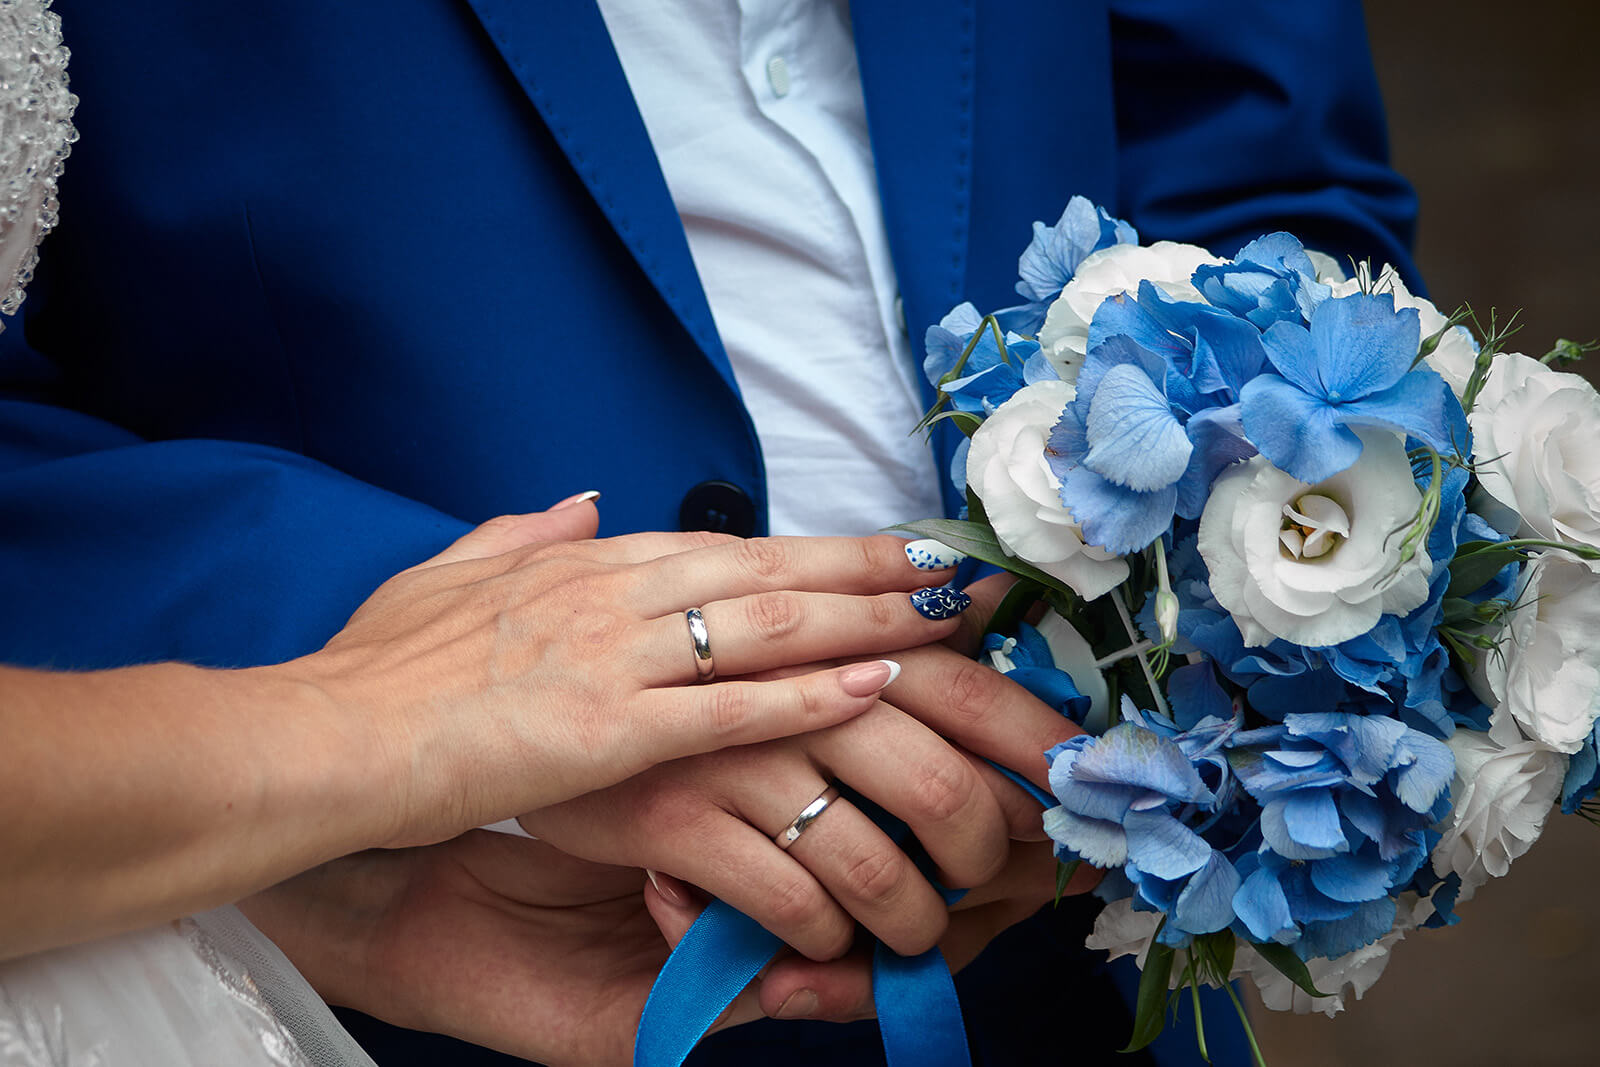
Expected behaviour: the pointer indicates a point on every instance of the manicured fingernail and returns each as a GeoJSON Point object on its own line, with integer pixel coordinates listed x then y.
{"type": "Point", "coordinates": [667, 886]}
{"type": "Point", "coordinates": [801, 1004]}
{"type": "Point", "coordinates": [940, 602]}
{"type": "Point", "coordinates": [930, 555]}
{"type": "Point", "coordinates": [576, 498]}
{"type": "Point", "coordinates": [864, 679]}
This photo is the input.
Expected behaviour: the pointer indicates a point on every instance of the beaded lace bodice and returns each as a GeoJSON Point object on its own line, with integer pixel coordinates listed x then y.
{"type": "Point", "coordinates": [36, 134]}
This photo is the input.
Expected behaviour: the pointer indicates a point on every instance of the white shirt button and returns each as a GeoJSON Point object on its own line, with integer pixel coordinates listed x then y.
{"type": "Point", "coordinates": [778, 76]}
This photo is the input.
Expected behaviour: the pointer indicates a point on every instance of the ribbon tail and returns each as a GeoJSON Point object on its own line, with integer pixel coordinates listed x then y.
{"type": "Point", "coordinates": [721, 954]}
{"type": "Point", "coordinates": [918, 1012]}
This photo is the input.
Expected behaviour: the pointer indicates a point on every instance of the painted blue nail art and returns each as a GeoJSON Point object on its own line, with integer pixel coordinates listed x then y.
{"type": "Point", "coordinates": [930, 555]}
{"type": "Point", "coordinates": [940, 602]}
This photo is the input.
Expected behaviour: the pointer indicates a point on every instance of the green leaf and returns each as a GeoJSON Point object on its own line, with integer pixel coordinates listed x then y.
{"type": "Point", "coordinates": [976, 512]}
{"type": "Point", "coordinates": [1289, 965]}
{"type": "Point", "coordinates": [965, 421]}
{"type": "Point", "coordinates": [1023, 594]}
{"type": "Point", "coordinates": [978, 541]}
{"type": "Point", "coordinates": [1147, 1016]}
{"type": "Point", "coordinates": [1475, 565]}
{"type": "Point", "coordinates": [1064, 873]}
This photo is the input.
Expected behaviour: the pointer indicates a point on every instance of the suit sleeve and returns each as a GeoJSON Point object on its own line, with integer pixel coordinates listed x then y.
{"type": "Point", "coordinates": [116, 550]}
{"type": "Point", "coordinates": [1240, 117]}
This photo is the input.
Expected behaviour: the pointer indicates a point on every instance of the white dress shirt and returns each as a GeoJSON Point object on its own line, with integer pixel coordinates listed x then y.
{"type": "Point", "coordinates": [755, 111]}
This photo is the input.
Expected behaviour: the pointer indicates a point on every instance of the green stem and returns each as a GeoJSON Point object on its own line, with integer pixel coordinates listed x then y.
{"type": "Point", "coordinates": [1199, 1019]}
{"type": "Point", "coordinates": [1249, 1031]}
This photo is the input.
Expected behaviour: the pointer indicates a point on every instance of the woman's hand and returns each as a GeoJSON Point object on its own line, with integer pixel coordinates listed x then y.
{"type": "Point", "coordinates": [526, 665]}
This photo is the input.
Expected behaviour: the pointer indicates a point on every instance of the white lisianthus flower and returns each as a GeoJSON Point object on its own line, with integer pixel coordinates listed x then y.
{"type": "Point", "coordinates": [1546, 672]}
{"type": "Point", "coordinates": [1503, 791]}
{"type": "Point", "coordinates": [1315, 565]}
{"type": "Point", "coordinates": [1534, 432]}
{"type": "Point", "coordinates": [1353, 973]}
{"type": "Point", "coordinates": [1064, 337]}
{"type": "Point", "coordinates": [1457, 351]}
{"type": "Point", "coordinates": [1006, 467]}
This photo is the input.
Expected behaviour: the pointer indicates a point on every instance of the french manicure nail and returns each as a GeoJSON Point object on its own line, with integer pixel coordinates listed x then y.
{"type": "Point", "coordinates": [801, 1004]}
{"type": "Point", "coordinates": [576, 498]}
{"type": "Point", "coordinates": [664, 885]}
{"type": "Point", "coordinates": [864, 679]}
{"type": "Point", "coordinates": [940, 602]}
{"type": "Point", "coordinates": [930, 555]}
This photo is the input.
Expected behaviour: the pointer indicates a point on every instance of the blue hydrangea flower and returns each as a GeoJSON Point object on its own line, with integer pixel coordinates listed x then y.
{"type": "Point", "coordinates": [1270, 280]}
{"type": "Point", "coordinates": [1352, 367]}
{"type": "Point", "coordinates": [1346, 802]}
{"type": "Point", "coordinates": [1052, 258]}
{"type": "Point", "coordinates": [1583, 774]}
{"type": "Point", "coordinates": [987, 380]}
{"type": "Point", "coordinates": [1156, 416]}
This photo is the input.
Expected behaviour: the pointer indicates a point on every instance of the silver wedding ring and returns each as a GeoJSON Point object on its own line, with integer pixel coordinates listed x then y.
{"type": "Point", "coordinates": [705, 668]}
{"type": "Point", "coordinates": [807, 816]}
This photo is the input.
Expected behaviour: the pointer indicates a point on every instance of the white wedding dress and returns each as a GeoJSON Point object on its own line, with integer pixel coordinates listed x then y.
{"type": "Point", "coordinates": [205, 991]}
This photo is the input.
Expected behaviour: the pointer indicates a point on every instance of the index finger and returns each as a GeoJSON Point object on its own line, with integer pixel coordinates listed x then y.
{"type": "Point", "coordinates": [865, 565]}
{"type": "Point", "coordinates": [980, 709]}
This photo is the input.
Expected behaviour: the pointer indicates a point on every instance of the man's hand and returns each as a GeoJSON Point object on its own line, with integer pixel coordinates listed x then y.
{"type": "Point", "coordinates": [493, 939]}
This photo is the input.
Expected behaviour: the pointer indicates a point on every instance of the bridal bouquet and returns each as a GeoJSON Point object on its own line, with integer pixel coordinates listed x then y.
{"type": "Point", "coordinates": [1321, 576]}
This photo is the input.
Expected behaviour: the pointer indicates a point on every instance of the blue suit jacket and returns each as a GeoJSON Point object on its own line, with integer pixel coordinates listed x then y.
{"type": "Point", "coordinates": [336, 280]}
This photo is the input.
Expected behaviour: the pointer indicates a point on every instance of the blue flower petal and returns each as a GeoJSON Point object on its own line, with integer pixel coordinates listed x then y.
{"type": "Point", "coordinates": [1195, 694]}
{"type": "Point", "coordinates": [1260, 904]}
{"type": "Point", "coordinates": [1420, 404]}
{"type": "Point", "coordinates": [1427, 767]}
{"type": "Point", "coordinates": [1163, 846]}
{"type": "Point", "coordinates": [1303, 825]}
{"type": "Point", "coordinates": [1363, 345]}
{"type": "Point", "coordinates": [1366, 924]}
{"type": "Point", "coordinates": [1354, 878]}
{"type": "Point", "coordinates": [1297, 431]}
{"type": "Point", "coordinates": [1116, 519]}
{"type": "Point", "coordinates": [1134, 439]}
{"type": "Point", "coordinates": [1103, 844]}
{"type": "Point", "coordinates": [1206, 903]}
{"type": "Point", "coordinates": [1129, 755]}
{"type": "Point", "coordinates": [1219, 442]}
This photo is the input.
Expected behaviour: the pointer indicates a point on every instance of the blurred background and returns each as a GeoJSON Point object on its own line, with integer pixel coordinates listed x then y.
{"type": "Point", "coordinates": [1494, 114]}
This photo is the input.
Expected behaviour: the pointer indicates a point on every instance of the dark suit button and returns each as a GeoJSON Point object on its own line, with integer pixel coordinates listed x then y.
{"type": "Point", "coordinates": [719, 506]}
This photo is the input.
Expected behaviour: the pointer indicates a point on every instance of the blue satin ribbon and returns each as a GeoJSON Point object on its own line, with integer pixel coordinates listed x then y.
{"type": "Point", "coordinates": [919, 1015]}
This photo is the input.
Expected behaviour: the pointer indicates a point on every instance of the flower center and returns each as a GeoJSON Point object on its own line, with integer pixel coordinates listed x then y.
{"type": "Point", "coordinates": [1313, 526]}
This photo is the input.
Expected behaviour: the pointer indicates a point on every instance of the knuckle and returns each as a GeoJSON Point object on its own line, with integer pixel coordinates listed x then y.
{"type": "Point", "coordinates": [972, 691]}
{"type": "Point", "coordinates": [944, 790]}
{"type": "Point", "coordinates": [889, 612]}
{"type": "Point", "coordinates": [795, 902]}
{"type": "Point", "coordinates": [773, 616]}
{"type": "Point", "coordinates": [876, 877]}
{"type": "Point", "coordinates": [728, 708]}
{"type": "Point", "coordinates": [763, 557]}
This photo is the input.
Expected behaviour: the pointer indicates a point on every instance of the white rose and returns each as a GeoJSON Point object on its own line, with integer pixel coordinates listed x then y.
{"type": "Point", "coordinates": [1456, 352]}
{"type": "Point", "coordinates": [1315, 565]}
{"type": "Point", "coordinates": [1503, 791]}
{"type": "Point", "coordinates": [1006, 467]}
{"type": "Point", "coordinates": [1354, 972]}
{"type": "Point", "coordinates": [1534, 447]}
{"type": "Point", "coordinates": [1108, 272]}
{"type": "Point", "coordinates": [1546, 673]}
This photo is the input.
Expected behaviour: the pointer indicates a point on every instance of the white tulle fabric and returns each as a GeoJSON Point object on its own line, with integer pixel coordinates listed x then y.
{"type": "Point", "coordinates": [205, 991]}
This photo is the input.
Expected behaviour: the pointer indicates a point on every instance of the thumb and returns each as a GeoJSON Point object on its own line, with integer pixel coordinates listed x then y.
{"type": "Point", "coordinates": [573, 519]}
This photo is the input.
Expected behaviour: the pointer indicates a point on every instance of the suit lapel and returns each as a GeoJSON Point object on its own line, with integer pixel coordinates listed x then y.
{"type": "Point", "coordinates": [917, 66]}
{"type": "Point", "coordinates": [917, 74]}
{"type": "Point", "coordinates": [562, 56]}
